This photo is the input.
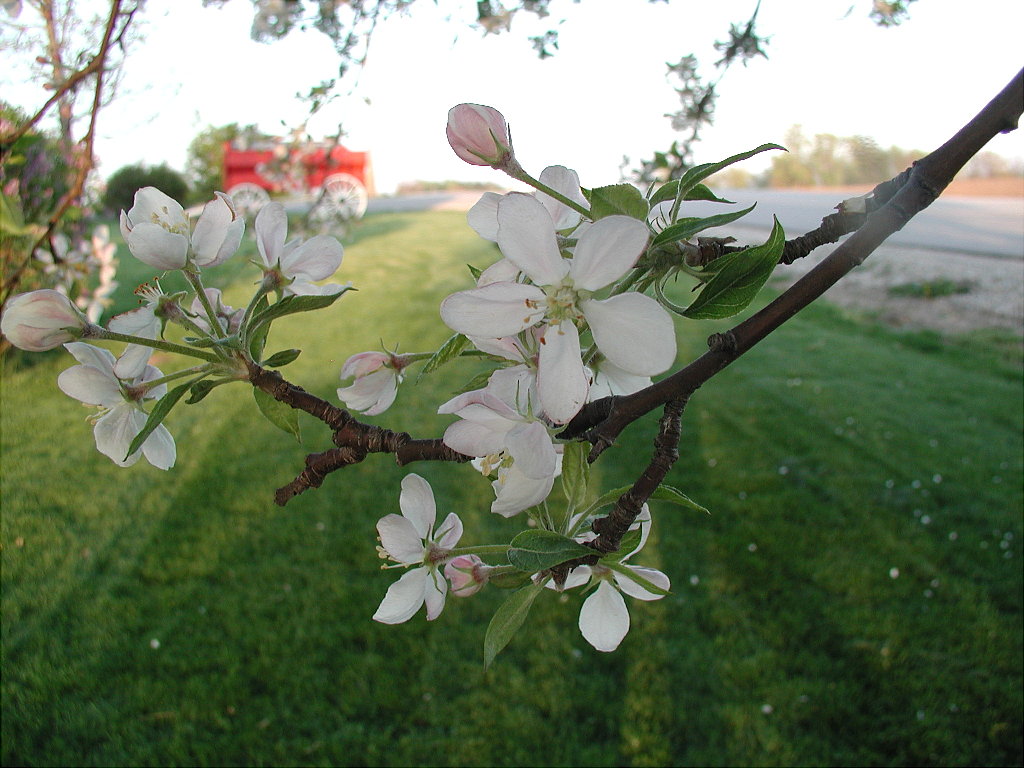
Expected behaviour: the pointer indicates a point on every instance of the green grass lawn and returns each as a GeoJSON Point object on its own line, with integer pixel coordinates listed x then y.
{"type": "Point", "coordinates": [854, 597]}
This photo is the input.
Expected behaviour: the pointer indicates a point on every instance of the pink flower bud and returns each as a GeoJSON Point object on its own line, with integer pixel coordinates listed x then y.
{"type": "Point", "coordinates": [479, 135]}
{"type": "Point", "coordinates": [37, 321]}
{"type": "Point", "coordinates": [467, 573]}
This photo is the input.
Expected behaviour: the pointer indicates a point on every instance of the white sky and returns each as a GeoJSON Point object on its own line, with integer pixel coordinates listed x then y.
{"type": "Point", "coordinates": [603, 95]}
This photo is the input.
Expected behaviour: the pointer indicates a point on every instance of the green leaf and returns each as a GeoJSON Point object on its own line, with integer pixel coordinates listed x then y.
{"type": "Point", "coordinates": [447, 352]}
{"type": "Point", "coordinates": [674, 495]}
{"type": "Point", "coordinates": [202, 388]}
{"type": "Point", "coordinates": [474, 271]}
{"type": "Point", "coordinates": [255, 339]}
{"type": "Point", "coordinates": [699, 192]}
{"type": "Point", "coordinates": [477, 382]}
{"type": "Point", "coordinates": [575, 474]}
{"type": "Point", "coordinates": [736, 284]}
{"type": "Point", "coordinates": [508, 619]}
{"type": "Point", "coordinates": [282, 358]}
{"type": "Point", "coordinates": [661, 493]}
{"type": "Point", "coordinates": [535, 550]}
{"type": "Point", "coordinates": [689, 180]}
{"type": "Point", "coordinates": [279, 414]}
{"type": "Point", "coordinates": [159, 413]}
{"type": "Point", "coordinates": [291, 305]}
{"type": "Point", "coordinates": [686, 228]}
{"type": "Point", "coordinates": [618, 199]}
{"type": "Point", "coordinates": [509, 579]}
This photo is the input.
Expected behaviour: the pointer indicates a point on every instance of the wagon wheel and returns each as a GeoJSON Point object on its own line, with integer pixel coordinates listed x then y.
{"type": "Point", "coordinates": [344, 196]}
{"type": "Point", "coordinates": [248, 198]}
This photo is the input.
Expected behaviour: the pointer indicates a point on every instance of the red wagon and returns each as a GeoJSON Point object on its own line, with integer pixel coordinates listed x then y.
{"type": "Point", "coordinates": [340, 180]}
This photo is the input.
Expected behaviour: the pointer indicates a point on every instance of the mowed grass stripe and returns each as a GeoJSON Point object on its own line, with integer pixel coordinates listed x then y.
{"type": "Point", "coordinates": [803, 649]}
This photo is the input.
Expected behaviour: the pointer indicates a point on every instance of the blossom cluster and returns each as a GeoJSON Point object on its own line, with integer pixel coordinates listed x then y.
{"type": "Point", "coordinates": [562, 317]}
{"type": "Point", "coordinates": [159, 233]}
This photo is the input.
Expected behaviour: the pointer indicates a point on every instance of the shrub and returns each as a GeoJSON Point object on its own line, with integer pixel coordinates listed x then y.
{"type": "Point", "coordinates": [123, 184]}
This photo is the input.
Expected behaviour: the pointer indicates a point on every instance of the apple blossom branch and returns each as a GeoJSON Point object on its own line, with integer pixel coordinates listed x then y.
{"type": "Point", "coordinates": [601, 421]}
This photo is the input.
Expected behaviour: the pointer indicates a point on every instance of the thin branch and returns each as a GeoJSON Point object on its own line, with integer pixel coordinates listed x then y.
{"type": "Point", "coordinates": [354, 439]}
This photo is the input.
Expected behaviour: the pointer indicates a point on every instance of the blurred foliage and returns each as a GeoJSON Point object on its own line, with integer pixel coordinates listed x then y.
{"type": "Point", "coordinates": [127, 180]}
{"type": "Point", "coordinates": [46, 241]}
{"type": "Point", "coordinates": [828, 160]}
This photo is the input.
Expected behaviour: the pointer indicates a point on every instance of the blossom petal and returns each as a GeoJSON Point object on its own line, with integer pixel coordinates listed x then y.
{"type": "Point", "coordinates": [417, 503]}
{"type": "Point", "coordinates": [609, 379]}
{"type": "Point", "coordinates": [567, 182]}
{"type": "Point", "coordinates": [514, 491]}
{"type": "Point", "coordinates": [633, 331]}
{"type": "Point", "coordinates": [604, 620]}
{"type": "Point", "coordinates": [561, 380]}
{"type": "Point", "coordinates": [633, 589]}
{"type": "Point", "coordinates": [472, 438]}
{"type": "Point", "coordinates": [448, 535]}
{"type": "Point", "coordinates": [271, 227]}
{"type": "Point", "coordinates": [530, 446]}
{"type": "Point", "coordinates": [496, 310]}
{"type": "Point", "coordinates": [526, 236]}
{"type": "Point", "coordinates": [159, 448]}
{"type": "Point", "coordinates": [400, 539]}
{"type": "Point", "coordinates": [87, 354]}
{"type": "Point", "coordinates": [132, 362]}
{"type": "Point", "coordinates": [115, 430]}
{"type": "Point", "coordinates": [483, 216]}
{"type": "Point", "coordinates": [316, 259]}
{"type": "Point", "coordinates": [218, 233]}
{"type": "Point", "coordinates": [152, 244]}
{"type": "Point", "coordinates": [371, 394]}
{"type": "Point", "coordinates": [434, 591]}
{"type": "Point", "coordinates": [137, 322]}
{"type": "Point", "coordinates": [403, 598]}
{"type": "Point", "coordinates": [607, 251]}
{"type": "Point", "coordinates": [91, 386]}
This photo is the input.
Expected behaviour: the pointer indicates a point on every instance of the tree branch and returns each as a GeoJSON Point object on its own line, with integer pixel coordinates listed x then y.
{"type": "Point", "coordinates": [602, 421]}
{"type": "Point", "coordinates": [354, 439]}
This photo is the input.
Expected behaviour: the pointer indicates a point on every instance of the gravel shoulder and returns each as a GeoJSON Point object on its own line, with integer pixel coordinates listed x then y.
{"type": "Point", "coordinates": [993, 296]}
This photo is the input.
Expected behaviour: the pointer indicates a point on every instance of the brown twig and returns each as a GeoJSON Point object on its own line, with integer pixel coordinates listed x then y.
{"type": "Point", "coordinates": [354, 439]}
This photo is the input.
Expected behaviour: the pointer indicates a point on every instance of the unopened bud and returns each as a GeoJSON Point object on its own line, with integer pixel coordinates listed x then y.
{"type": "Point", "coordinates": [467, 574]}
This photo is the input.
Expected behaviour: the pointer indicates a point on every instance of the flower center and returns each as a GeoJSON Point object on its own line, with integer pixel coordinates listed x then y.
{"type": "Point", "coordinates": [163, 219]}
{"type": "Point", "coordinates": [561, 302]}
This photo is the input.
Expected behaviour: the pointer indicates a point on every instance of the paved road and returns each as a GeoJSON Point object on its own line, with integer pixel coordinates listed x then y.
{"type": "Point", "coordinates": [971, 225]}
{"type": "Point", "coordinates": [987, 226]}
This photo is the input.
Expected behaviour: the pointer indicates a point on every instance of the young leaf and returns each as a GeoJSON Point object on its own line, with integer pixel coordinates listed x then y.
{"type": "Point", "coordinates": [689, 180]}
{"type": "Point", "coordinates": [736, 284]}
{"type": "Point", "coordinates": [282, 358]}
{"type": "Point", "coordinates": [474, 271]}
{"type": "Point", "coordinates": [622, 199]}
{"type": "Point", "coordinates": [699, 192]}
{"type": "Point", "coordinates": [202, 388]}
{"type": "Point", "coordinates": [535, 550]}
{"type": "Point", "coordinates": [279, 414]}
{"type": "Point", "coordinates": [686, 228]}
{"type": "Point", "coordinates": [674, 495]}
{"type": "Point", "coordinates": [159, 413]}
{"type": "Point", "coordinates": [575, 474]}
{"type": "Point", "coordinates": [290, 305]}
{"type": "Point", "coordinates": [448, 351]}
{"type": "Point", "coordinates": [508, 579]}
{"type": "Point", "coordinates": [508, 619]}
